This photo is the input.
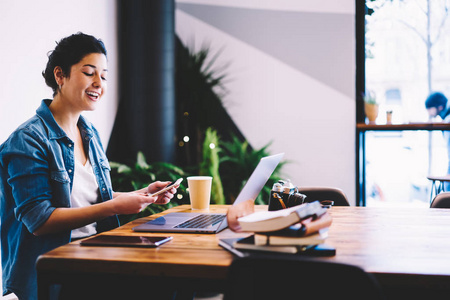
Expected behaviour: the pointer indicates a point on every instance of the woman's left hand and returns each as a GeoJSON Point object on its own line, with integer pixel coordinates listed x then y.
{"type": "Point", "coordinates": [163, 198]}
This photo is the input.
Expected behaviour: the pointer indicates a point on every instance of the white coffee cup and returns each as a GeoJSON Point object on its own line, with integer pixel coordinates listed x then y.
{"type": "Point", "coordinates": [199, 191]}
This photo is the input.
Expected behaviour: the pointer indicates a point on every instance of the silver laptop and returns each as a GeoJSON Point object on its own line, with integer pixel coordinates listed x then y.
{"type": "Point", "coordinates": [210, 222]}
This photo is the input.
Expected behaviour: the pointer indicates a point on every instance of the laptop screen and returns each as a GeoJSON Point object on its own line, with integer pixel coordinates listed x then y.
{"type": "Point", "coordinates": [259, 177]}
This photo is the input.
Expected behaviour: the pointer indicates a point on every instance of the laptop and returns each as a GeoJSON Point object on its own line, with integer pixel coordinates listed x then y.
{"type": "Point", "coordinates": [213, 222]}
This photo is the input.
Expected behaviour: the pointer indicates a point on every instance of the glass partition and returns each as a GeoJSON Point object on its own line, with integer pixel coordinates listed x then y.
{"type": "Point", "coordinates": [403, 56]}
{"type": "Point", "coordinates": [397, 166]}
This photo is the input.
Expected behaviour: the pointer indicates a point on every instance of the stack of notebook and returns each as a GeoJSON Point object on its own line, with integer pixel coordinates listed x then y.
{"type": "Point", "coordinates": [302, 229]}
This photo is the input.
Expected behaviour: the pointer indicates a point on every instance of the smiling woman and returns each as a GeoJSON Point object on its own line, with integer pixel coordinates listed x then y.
{"type": "Point", "coordinates": [78, 91]}
{"type": "Point", "coordinates": [86, 78]}
{"type": "Point", "coordinates": [55, 178]}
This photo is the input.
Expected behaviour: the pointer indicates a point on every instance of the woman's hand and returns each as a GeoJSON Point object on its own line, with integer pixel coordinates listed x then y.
{"type": "Point", "coordinates": [163, 198]}
{"type": "Point", "coordinates": [135, 202]}
{"type": "Point", "coordinates": [239, 210]}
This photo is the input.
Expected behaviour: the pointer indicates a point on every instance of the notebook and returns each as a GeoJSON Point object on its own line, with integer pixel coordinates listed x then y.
{"type": "Point", "coordinates": [210, 222]}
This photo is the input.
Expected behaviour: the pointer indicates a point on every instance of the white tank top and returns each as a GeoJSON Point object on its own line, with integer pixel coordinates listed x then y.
{"type": "Point", "coordinates": [84, 193]}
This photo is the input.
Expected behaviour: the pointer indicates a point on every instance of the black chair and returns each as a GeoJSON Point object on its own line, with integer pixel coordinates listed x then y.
{"type": "Point", "coordinates": [442, 200]}
{"type": "Point", "coordinates": [293, 277]}
{"type": "Point", "coordinates": [325, 193]}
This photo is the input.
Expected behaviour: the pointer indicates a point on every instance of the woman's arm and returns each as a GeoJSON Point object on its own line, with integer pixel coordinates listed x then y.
{"type": "Point", "coordinates": [123, 203]}
{"type": "Point", "coordinates": [63, 219]}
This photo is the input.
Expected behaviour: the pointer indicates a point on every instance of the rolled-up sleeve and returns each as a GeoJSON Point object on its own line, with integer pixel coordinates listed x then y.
{"type": "Point", "coordinates": [29, 178]}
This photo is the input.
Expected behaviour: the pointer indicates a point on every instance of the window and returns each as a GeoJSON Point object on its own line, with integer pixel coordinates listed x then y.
{"type": "Point", "coordinates": [403, 56]}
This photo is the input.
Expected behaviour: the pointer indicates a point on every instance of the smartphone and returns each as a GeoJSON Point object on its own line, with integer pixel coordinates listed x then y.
{"type": "Point", "coordinates": [168, 187]}
{"type": "Point", "coordinates": [126, 241]}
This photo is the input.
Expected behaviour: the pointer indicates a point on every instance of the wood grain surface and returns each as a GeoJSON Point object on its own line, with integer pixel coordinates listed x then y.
{"type": "Point", "coordinates": [402, 247]}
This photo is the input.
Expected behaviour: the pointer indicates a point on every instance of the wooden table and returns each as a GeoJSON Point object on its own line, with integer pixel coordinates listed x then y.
{"type": "Point", "coordinates": [408, 250]}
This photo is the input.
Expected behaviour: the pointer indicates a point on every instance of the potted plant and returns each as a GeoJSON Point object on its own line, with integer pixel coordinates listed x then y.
{"type": "Point", "coordinates": [371, 106]}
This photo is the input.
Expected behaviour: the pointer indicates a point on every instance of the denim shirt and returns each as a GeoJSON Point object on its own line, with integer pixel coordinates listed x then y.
{"type": "Point", "coordinates": [36, 165]}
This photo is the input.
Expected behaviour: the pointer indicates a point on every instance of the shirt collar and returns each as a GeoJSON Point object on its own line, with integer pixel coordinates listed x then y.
{"type": "Point", "coordinates": [54, 130]}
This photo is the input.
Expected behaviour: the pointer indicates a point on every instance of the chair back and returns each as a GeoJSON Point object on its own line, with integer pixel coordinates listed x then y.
{"type": "Point", "coordinates": [293, 277]}
{"type": "Point", "coordinates": [442, 200]}
{"type": "Point", "coordinates": [325, 193]}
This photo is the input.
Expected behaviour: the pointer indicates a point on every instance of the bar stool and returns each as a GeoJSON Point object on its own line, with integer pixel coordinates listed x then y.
{"type": "Point", "coordinates": [437, 187]}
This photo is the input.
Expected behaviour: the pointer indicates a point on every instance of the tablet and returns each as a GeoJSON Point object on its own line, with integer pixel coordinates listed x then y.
{"type": "Point", "coordinates": [126, 241]}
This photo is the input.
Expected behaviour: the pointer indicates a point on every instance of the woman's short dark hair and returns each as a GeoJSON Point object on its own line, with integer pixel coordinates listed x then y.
{"type": "Point", "coordinates": [68, 52]}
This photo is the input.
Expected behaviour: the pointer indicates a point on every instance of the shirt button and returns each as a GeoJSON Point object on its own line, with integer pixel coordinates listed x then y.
{"type": "Point", "coordinates": [70, 145]}
{"type": "Point", "coordinates": [70, 171]}
{"type": "Point", "coordinates": [103, 189]}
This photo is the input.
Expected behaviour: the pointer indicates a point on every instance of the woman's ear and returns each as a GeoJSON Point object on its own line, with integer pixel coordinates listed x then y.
{"type": "Point", "coordinates": [59, 76]}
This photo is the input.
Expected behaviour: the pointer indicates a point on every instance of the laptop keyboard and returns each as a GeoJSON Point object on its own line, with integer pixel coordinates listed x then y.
{"type": "Point", "coordinates": [201, 221]}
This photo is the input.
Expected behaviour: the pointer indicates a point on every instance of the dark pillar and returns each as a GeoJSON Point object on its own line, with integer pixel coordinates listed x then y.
{"type": "Point", "coordinates": [145, 118]}
{"type": "Point", "coordinates": [360, 86]}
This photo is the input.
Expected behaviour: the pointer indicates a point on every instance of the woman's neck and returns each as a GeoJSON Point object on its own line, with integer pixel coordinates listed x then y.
{"type": "Point", "coordinates": [64, 116]}
{"type": "Point", "coordinates": [67, 119]}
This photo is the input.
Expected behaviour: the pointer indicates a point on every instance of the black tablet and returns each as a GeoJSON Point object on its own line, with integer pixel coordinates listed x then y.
{"type": "Point", "coordinates": [126, 241]}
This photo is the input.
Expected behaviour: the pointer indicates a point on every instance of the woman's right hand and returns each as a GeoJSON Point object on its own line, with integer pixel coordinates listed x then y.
{"type": "Point", "coordinates": [64, 218]}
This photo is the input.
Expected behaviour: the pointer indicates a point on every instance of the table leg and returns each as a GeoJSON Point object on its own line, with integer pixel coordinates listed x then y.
{"type": "Point", "coordinates": [43, 287]}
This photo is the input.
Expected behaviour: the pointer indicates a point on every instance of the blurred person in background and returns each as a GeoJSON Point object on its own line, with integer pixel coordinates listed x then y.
{"type": "Point", "coordinates": [437, 106]}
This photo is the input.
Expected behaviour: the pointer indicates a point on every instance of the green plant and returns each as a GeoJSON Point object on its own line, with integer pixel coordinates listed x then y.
{"type": "Point", "coordinates": [129, 178]}
{"type": "Point", "coordinates": [238, 161]}
{"type": "Point", "coordinates": [231, 165]}
{"type": "Point", "coordinates": [210, 165]}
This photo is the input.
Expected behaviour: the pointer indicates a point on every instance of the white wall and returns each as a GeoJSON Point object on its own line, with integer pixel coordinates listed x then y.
{"type": "Point", "coordinates": [28, 30]}
{"type": "Point", "coordinates": [291, 78]}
